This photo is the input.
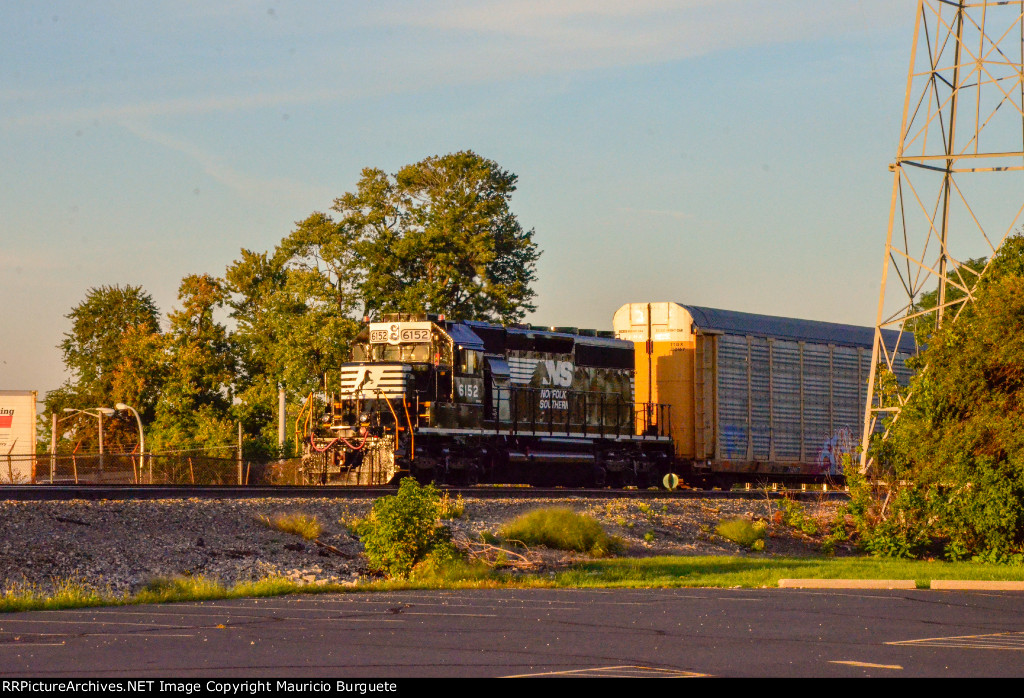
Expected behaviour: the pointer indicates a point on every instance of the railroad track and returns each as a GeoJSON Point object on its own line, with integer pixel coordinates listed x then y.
{"type": "Point", "coordinates": [129, 492]}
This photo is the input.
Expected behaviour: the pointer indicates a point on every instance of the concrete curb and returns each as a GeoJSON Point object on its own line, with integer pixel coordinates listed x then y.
{"type": "Point", "coordinates": [847, 584]}
{"type": "Point", "coordinates": [976, 585]}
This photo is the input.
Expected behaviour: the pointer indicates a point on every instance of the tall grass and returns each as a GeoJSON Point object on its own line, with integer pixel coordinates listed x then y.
{"type": "Point", "coordinates": [297, 524]}
{"type": "Point", "coordinates": [749, 534]}
{"type": "Point", "coordinates": [561, 529]}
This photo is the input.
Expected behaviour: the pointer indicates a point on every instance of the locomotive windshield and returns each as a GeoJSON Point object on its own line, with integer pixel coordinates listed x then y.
{"type": "Point", "coordinates": [405, 353]}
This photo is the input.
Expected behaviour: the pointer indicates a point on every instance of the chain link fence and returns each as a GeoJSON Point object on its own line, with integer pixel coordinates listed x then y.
{"type": "Point", "coordinates": [156, 469]}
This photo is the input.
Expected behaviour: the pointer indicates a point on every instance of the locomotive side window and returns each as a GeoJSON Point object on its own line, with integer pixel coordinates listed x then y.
{"type": "Point", "coordinates": [470, 361]}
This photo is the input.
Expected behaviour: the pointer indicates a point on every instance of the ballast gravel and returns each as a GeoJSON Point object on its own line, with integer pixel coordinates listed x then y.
{"type": "Point", "coordinates": [121, 546]}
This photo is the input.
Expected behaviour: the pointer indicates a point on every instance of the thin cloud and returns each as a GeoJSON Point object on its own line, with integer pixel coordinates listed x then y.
{"type": "Point", "coordinates": [425, 46]}
{"type": "Point", "coordinates": [241, 183]}
{"type": "Point", "coordinates": [677, 215]}
{"type": "Point", "coordinates": [178, 107]}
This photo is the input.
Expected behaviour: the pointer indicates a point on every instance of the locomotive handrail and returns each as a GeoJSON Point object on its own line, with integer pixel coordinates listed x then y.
{"type": "Point", "coordinates": [608, 418]}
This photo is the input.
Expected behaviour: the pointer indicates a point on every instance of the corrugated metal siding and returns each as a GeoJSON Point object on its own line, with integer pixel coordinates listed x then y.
{"type": "Point", "coordinates": [733, 398]}
{"type": "Point", "coordinates": [760, 396]}
{"type": "Point", "coordinates": [790, 402]}
{"type": "Point", "coordinates": [817, 398]}
{"type": "Point", "coordinates": [785, 400]}
{"type": "Point", "coordinates": [847, 409]}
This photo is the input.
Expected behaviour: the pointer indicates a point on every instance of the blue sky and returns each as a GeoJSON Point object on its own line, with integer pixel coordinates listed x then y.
{"type": "Point", "coordinates": [729, 153]}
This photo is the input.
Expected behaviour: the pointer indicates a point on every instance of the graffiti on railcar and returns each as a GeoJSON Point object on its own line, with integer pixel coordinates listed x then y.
{"type": "Point", "coordinates": [830, 455]}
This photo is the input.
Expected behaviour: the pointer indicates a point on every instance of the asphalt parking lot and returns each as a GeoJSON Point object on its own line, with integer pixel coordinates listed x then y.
{"type": "Point", "coordinates": [661, 633]}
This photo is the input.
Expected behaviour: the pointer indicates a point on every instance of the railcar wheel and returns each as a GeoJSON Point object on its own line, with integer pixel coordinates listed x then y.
{"type": "Point", "coordinates": [599, 476]}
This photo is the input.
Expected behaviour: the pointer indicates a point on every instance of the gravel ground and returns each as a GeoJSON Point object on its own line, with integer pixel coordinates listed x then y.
{"type": "Point", "coordinates": [122, 545]}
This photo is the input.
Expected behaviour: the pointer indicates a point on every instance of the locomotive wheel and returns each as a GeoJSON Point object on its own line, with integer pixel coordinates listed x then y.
{"type": "Point", "coordinates": [472, 476]}
{"type": "Point", "coordinates": [626, 477]}
{"type": "Point", "coordinates": [643, 479]}
{"type": "Point", "coordinates": [599, 476]}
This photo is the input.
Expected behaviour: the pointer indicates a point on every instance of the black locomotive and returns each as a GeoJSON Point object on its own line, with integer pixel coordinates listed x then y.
{"type": "Point", "coordinates": [467, 402]}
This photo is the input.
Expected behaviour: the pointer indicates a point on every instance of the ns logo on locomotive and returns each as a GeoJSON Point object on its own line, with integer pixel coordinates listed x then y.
{"type": "Point", "coordinates": [714, 397]}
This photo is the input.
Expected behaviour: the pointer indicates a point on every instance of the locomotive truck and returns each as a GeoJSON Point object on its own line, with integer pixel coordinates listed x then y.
{"type": "Point", "coordinates": [713, 397]}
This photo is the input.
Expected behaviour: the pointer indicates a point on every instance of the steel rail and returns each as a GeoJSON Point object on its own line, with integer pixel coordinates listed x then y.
{"type": "Point", "coordinates": [151, 492]}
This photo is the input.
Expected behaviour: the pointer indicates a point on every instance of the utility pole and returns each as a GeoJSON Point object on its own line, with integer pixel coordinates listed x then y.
{"type": "Point", "coordinates": [957, 178]}
{"type": "Point", "coordinates": [281, 421]}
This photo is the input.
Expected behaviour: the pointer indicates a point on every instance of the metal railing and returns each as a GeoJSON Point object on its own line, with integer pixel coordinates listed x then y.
{"type": "Point", "coordinates": [564, 411]}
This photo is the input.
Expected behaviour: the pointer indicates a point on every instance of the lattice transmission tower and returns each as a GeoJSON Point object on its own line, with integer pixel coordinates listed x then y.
{"type": "Point", "coordinates": [958, 178]}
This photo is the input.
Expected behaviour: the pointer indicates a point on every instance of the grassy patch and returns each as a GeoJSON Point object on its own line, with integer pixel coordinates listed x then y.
{"type": "Point", "coordinates": [68, 593]}
{"type": "Point", "coordinates": [297, 524]}
{"type": "Point", "coordinates": [766, 572]}
{"type": "Point", "coordinates": [77, 594]}
{"type": "Point", "coordinates": [665, 572]}
{"type": "Point", "coordinates": [561, 529]}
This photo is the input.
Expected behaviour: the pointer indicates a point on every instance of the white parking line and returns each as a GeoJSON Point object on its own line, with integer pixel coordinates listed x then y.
{"type": "Point", "coordinates": [993, 641]}
{"type": "Point", "coordinates": [866, 665]}
{"type": "Point", "coordinates": [626, 671]}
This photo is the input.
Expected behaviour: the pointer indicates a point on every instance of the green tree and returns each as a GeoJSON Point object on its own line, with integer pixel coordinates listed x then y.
{"type": "Point", "coordinates": [194, 409]}
{"type": "Point", "coordinates": [439, 236]}
{"type": "Point", "coordinates": [924, 325]}
{"type": "Point", "coordinates": [959, 440]}
{"type": "Point", "coordinates": [257, 304]}
{"type": "Point", "coordinates": [321, 288]}
{"type": "Point", "coordinates": [112, 351]}
{"type": "Point", "coordinates": [292, 312]}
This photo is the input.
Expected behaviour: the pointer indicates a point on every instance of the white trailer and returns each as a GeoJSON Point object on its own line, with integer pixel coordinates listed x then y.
{"type": "Point", "coordinates": [17, 436]}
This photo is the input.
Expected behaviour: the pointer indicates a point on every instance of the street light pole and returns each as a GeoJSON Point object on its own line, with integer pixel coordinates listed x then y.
{"type": "Point", "coordinates": [142, 438]}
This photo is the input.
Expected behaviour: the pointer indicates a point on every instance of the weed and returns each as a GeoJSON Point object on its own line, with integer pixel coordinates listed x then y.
{"type": "Point", "coordinates": [649, 536]}
{"type": "Point", "coordinates": [743, 532]}
{"type": "Point", "coordinates": [792, 513]}
{"type": "Point", "coordinates": [447, 509]}
{"type": "Point", "coordinates": [562, 529]}
{"type": "Point", "coordinates": [298, 524]}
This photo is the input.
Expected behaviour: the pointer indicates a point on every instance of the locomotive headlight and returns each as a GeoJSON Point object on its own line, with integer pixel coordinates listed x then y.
{"type": "Point", "coordinates": [364, 418]}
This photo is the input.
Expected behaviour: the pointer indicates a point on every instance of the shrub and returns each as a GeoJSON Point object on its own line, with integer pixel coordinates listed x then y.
{"type": "Point", "coordinates": [403, 530]}
{"type": "Point", "coordinates": [749, 534]}
{"type": "Point", "coordinates": [561, 529]}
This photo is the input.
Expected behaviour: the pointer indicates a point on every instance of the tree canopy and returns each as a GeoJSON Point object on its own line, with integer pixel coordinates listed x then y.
{"type": "Point", "coordinates": [439, 236]}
